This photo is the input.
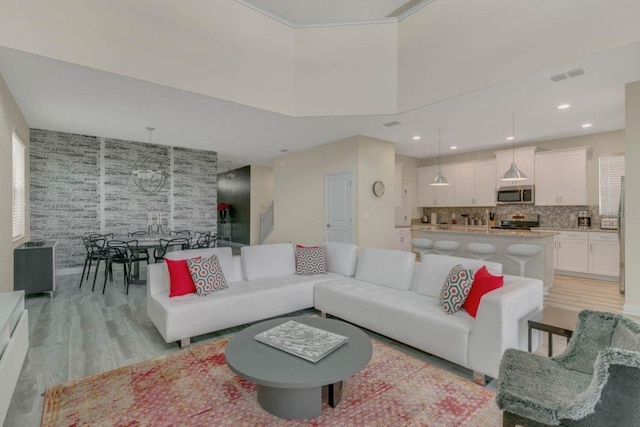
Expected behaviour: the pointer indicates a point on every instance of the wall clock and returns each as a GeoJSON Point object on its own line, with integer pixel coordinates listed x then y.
{"type": "Point", "coordinates": [378, 188]}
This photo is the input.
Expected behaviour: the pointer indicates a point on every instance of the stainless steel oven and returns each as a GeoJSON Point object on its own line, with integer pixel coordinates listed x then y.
{"type": "Point", "coordinates": [519, 195]}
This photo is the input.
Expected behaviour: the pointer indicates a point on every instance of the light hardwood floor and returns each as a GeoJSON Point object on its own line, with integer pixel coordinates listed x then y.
{"type": "Point", "coordinates": [79, 333]}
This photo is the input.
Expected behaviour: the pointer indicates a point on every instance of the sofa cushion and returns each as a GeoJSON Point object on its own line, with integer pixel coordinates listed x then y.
{"type": "Point", "coordinates": [455, 289]}
{"type": "Point", "coordinates": [207, 275]}
{"type": "Point", "coordinates": [311, 260]}
{"type": "Point", "coordinates": [431, 273]}
{"type": "Point", "coordinates": [386, 267]}
{"type": "Point", "coordinates": [342, 258]}
{"type": "Point", "coordinates": [224, 257]}
{"type": "Point", "coordinates": [483, 282]}
{"type": "Point", "coordinates": [268, 260]}
{"type": "Point", "coordinates": [180, 280]}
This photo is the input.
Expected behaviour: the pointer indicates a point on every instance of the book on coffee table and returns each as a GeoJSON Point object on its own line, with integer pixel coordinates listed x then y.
{"type": "Point", "coordinates": [304, 341]}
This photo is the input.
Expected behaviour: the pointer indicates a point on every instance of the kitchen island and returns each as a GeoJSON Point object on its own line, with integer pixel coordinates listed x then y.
{"type": "Point", "coordinates": [539, 267]}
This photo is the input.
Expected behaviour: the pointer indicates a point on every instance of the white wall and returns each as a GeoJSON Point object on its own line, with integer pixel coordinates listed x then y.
{"type": "Point", "coordinates": [221, 49]}
{"type": "Point", "coordinates": [299, 186]}
{"type": "Point", "coordinates": [11, 120]}
{"type": "Point", "coordinates": [410, 174]}
{"type": "Point", "coordinates": [375, 215]}
{"type": "Point", "coordinates": [346, 70]}
{"type": "Point", "coordinates": [453, 47]}
{"type": "Point", "coordinates": [226, 50]}
{"type": "Point", "coordinates": [299, 189]}
{"type": "Point", "coordinates": [261, 198]}
{"type": "Point", "coordinates": [632, 199]}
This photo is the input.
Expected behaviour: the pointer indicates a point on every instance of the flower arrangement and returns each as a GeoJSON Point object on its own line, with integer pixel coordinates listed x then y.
{"type": "Point", "coordinates": [223, 206]}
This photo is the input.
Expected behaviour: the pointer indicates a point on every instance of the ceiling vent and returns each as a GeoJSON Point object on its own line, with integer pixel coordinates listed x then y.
{"type": "Point", "coordinates": [567, 75]}
{"type": "Point", "coordinates": [389, 124]}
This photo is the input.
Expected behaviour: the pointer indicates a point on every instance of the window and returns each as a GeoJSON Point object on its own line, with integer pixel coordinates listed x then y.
{"type": "Point", "coordinates": [611, 170]}
{"type": "Point", "coordinates": [19, 183]}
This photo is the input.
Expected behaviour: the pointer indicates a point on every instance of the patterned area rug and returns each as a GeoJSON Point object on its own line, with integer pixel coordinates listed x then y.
{"type": "Point", "coordinates": [194, 387]}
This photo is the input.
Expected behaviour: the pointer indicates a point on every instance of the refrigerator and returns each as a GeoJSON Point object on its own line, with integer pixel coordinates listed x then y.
{"type": "Point", "coordinates": [621, 227]}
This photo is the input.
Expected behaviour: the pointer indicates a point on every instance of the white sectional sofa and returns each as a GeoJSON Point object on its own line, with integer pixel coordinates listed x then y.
{"type": "Point", "coordinates": [397, 298]}
{"type": "Point", "coordinates": [383, 290]}
{"type": "Point", "coordinates": [261, 284]}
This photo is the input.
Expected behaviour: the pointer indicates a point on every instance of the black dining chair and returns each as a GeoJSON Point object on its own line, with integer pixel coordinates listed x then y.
{"type": "Point", "coordinates": [119, 252]}
{"type": "Point", "coordinates": [168, 244]}
{"type": "Point", "coordinates": [141, 254]}
{"type": "Point", "coordinates": [204, 239]}
{"type": "Point", "coordinates": [96, 247]}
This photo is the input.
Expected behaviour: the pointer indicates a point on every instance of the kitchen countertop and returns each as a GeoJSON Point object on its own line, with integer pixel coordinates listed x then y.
{"type": "Point", "coordinates": [481, 229]}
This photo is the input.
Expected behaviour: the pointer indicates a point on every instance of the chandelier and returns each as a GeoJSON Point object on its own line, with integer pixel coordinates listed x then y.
{"type": "Point", "coordinates": [148, 174]}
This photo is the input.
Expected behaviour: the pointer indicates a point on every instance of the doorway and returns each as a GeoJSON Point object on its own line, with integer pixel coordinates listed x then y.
{"type": "Point", "coordinates": [403, 212]}
{"type": "Point", "coordinates": [339, 207]}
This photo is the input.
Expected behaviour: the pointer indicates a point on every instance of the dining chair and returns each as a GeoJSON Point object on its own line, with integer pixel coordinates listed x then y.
{"type": "Point", "coordinates": [167, 244]}
{"type": "Point", "coordinates": [141, 254]}
{"type": "Point", "coordinates": [95, 245]}
{"type": "Point", "coordinates": [119, 252]}
{"type": "Point", "coordinates": [204, 239]}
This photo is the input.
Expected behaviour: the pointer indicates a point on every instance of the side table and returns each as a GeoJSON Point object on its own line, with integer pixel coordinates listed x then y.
{"type": "Point", "coordinates": [556, 321]}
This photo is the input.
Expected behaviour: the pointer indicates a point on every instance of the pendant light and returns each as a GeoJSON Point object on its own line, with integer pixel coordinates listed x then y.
{"type": "Point", "coordinates": [513, 174]}
{"type": "Point", "coordinates": [439, 179]}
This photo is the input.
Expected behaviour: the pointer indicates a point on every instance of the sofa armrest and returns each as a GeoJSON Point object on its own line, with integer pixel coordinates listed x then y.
{"type": "Point", "coordinates": [157, 279]}
{"type": "Point", "coordinates": [501, 322]}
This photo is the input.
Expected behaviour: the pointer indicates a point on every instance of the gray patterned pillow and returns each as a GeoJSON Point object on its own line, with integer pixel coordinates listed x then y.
{"type": "Point", "coordinates": [456, 288]}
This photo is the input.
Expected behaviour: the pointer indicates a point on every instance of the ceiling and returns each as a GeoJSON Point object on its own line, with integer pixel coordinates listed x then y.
{"type": "Point", "coordinates": [60, 96]}
{"type": "Point", "coordinates": [300, 13]}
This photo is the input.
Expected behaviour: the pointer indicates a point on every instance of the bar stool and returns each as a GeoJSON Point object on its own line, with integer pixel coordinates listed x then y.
{"type": "Point", "coordinates": [481, 250]}
{"type": "Point", "coordinates": [422, 246]}
{"type": "Point", "coordinates": [446, 247]}
{"type": "Point", "coordinates": [522, 254]}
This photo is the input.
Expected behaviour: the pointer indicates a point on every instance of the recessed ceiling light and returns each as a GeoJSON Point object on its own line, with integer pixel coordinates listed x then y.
{"type": "Point", "coordinates": [587, 125]}
{"type": "Point", "coordinates": [453, 147]}
{"type": "Point", "coordinates": [563, 106]}
{"type": "Point", "coordinates": [415, 138]}
{"type": "Point", "coordinates": [284, 150]}
{"type": "Point", "coordinates": [509, 138]}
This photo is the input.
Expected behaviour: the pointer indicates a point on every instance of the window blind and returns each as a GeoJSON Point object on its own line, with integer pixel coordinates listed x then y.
{"type": "Point", "coordinates": [611, 170]}
{"type": "Point", "coordinates": [19, 183]}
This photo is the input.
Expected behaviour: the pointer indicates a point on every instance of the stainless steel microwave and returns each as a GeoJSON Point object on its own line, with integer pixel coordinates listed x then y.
{"type": "Point", "coordinates": [521, 195]}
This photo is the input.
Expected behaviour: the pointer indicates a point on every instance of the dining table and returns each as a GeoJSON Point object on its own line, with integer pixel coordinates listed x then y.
{"type": "Point", "coordinates": [144, 242]}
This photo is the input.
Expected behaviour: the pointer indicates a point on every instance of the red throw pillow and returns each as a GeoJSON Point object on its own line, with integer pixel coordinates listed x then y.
{"type": "Point", "coordinates": [180, 281]}
{"type": "Point", "coordinates": [483, 283]}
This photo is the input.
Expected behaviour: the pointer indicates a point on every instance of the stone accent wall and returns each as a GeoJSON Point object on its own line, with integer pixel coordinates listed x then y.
{"type": "Point", "coordinates": [83, 184]}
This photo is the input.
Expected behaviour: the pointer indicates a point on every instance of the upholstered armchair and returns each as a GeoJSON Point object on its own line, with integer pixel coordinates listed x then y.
{"type": "Point", "coordinates": [595, 382]}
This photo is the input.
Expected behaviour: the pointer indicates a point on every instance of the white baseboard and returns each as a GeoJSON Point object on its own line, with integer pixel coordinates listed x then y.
{"type": "Point", "coordinates": [67, 271]}
{"type": "Point", "coordinates": [633, 310]}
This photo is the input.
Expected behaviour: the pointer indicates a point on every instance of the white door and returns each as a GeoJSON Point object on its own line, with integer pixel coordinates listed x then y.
{"type": "Point", "coordinates": [339, 207]}
{"type": "Point", "coordinates": [484, 183]}
{"type": "Point", "coordinates": [463, 181]}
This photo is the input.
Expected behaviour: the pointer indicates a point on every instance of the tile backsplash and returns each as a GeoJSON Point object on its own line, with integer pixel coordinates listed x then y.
{"type": "Point", "coordinates": [550, 216]}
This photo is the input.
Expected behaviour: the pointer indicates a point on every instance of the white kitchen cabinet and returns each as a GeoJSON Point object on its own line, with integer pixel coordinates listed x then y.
{"type": "Point", "coordinates": [524, 158]}
{"type": "Point", "coordinates": [573, 251]}
{"type": "Point", "coordinates": [474, 183]}
{"type": "Point", "coordinates": [561, 177]}
{"type": "Point", "coordinates": [432, 196]}
{"type": "Point", "coordinates": [402, 239]}
{"type": "Point", "coordinates": [604, 254]}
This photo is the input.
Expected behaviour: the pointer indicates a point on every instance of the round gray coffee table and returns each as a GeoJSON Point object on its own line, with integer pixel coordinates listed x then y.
{"type": "Point", "coordinates": [289, 386]}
